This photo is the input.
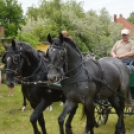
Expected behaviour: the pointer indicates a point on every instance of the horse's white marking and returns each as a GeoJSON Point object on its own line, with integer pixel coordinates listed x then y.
{"type": "Point", "coordinates": [50, 108]}
{"type": "Point", "coordinates": [23, 108]}
{"type": "Point", "coordinates": [8, 58]}
{"type": "Point", "coordinates": [53, 49]}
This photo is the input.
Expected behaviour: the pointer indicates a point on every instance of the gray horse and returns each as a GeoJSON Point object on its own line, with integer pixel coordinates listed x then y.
{"type": "Point", "coordinates": [87, 81]}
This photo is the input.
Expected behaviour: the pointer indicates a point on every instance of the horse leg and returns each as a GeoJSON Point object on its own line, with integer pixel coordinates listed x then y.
{"type": "Point", "coordinates": [24, 103]}
{"type": "Point", "coordinates": [119, 107]}
{"type": "Point", "coordinates": [69, 120]}
{"type": "Point", "coordinates": [35, 116]}
{"type": "Point", "coordinates": [42, 123]}
{"type": "Point", "coordinates": [89, 111]}
{"type": "Point", "coordinates": [68, 107]}
{"type": "Point", "coordinates": [24, 100]}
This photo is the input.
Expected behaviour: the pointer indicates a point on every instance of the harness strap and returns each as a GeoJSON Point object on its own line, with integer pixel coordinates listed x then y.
{"type": "Point", "coordinates": [28, 61]}
{"type": "Point", "coordinates": [71, 80]}
{"type": "Point", "coordinates": [33, 74]}
{"type": "Point", "coordinates": [101, 80]}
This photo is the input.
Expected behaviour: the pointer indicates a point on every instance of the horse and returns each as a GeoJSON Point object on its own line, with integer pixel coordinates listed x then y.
{"type": "Point", "coordinates": [23, 60]}
{"type": "Point", "coordinates": [87, 81]}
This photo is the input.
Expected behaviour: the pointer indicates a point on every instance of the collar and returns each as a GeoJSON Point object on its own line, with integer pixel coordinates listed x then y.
{"type": "Point", "coordinates": [125, 42]}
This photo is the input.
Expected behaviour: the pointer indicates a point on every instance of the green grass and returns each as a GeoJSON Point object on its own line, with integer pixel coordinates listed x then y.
{"type": "Point", "coordinates": [13, 121]}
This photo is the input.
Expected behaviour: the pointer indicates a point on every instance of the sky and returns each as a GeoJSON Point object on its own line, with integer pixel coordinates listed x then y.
{"type": "Point", "coordinates": [124, 7]}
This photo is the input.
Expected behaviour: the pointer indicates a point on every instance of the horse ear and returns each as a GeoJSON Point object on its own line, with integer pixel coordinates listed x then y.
{"type": "Point", "coordinates": [61, 37]}
{"type": "Point", "coordinates": [49, 38]}
{"type": "Point", "coordinates": [4, 43]}
{"type": "Point", "coordinates": [13, 43]}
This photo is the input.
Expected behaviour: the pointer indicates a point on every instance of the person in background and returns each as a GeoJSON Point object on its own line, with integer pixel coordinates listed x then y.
{"type": "Point", "coordinates": [1, 67]}
{"type": "Point", "coordinates": [0, 82]}
{"type": "Point", "coordinates": [124, 48]}
{"type": "Point", "coordinates": [64, 33]}
{"type": "Point", "coordinates": [10, 91]}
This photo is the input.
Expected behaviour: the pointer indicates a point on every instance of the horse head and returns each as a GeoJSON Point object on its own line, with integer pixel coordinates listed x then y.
{"type": "Point", "coordinates": [11, 59]}
{"type": "Point", "coordinates": [57, 56]}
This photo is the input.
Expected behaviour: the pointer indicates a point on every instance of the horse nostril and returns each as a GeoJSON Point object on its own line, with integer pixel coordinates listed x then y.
{"type": "Point", "coordinates": [52, 78]}
{"type": "Point", "coordinates": [12, 84]}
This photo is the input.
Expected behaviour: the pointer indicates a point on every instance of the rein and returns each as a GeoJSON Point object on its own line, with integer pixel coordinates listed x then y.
{"type": "Point", "coordinates": [33, 74]}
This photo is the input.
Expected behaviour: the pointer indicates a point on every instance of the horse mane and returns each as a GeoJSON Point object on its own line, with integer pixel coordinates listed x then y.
{"type": "Point", "coordinates": [72, 43]}
{"type": "Point", "coordinates": [28, 48]}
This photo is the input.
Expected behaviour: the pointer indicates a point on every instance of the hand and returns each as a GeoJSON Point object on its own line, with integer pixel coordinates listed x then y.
{"type": "Point", "coordinates": [122, 56]}
{"type": "Point", "coordinates": [115, 56]}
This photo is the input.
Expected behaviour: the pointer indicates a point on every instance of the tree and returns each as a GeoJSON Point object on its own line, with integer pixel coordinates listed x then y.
{"type": "Point", "coordinates": [92, 32]}
{"type": "Point", "coordinates": [11, 17]}
{"type": "Point", "coordinates": [131, 17]}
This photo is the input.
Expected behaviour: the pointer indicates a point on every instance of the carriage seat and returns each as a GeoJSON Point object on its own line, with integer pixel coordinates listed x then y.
{"type": "Point", "coordinates": [130, 64]}
{"type": "Point", "coordinates": [131, 68]}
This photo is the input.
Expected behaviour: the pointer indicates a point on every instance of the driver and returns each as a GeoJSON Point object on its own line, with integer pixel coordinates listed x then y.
{"type": "Point", "coordinates": [124, 48]}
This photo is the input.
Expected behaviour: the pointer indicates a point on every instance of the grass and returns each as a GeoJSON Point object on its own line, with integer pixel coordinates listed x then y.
{"type": "Point", "coordinates": [14, 121]}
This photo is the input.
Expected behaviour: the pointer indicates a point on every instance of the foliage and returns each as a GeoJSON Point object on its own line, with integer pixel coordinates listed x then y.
{"type": "Point", "coordinates": [28, 37]}
{"type": "Point", "coordinates": [92, 31]}
{"type": "Point", "coordinates": [11, 17]}
{"type": "Point", "coordinates": [131, 17]}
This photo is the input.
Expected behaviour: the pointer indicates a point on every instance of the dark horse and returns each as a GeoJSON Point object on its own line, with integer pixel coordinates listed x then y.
{"type": "Point", "coordinates": [21, 59]}
{"type": "Point", "coordinates": [87, 81]}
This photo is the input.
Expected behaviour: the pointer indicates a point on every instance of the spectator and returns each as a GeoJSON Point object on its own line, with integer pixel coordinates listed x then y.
{"type": "Point", "coordinates": [0, 82]}
{"type": "Point", "coordinates": [10, 91]}
{"type": "Point", "coordinates": [65, 34]}
{"type": "Point", "coordinates": [1, 67]}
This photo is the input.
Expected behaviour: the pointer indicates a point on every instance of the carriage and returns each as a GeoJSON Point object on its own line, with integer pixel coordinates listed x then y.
{"type": "Point", "coordinates": [104, 108]}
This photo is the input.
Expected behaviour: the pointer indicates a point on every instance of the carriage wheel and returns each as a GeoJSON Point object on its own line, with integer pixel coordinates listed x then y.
{"type": "Point", "coordinates": [101, 115]}
{"type": "Point", "coordinates": [129, 110]}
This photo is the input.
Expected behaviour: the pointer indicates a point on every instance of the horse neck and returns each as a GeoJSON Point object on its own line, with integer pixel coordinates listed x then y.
{"type": "Point", "coordinates": [74, 60]}
{"type": "Point", "coordinates": [30, 64]}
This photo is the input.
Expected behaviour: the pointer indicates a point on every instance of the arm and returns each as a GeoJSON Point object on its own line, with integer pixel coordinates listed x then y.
{"type": "Point", "coordinates": [128, 54]}
{"type": "Point", "coordinates": [113, 54]}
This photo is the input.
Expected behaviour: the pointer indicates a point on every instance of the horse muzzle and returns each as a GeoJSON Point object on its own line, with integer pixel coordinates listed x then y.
{"type": "Point", "coordinates": [11, 82]}
{"type": "Point", "coordinates": [53, 78]}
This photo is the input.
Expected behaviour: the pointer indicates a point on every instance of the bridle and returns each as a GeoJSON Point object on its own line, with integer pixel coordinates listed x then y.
{"type": "Point", "coordinates": [64, 57]}
{"type": "Point", "coordinates": [16, 72]}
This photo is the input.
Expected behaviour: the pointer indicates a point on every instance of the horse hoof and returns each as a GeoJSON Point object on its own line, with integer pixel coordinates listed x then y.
{"type": "Point", "coordinates": [120, 131]}
{"type": "Point", "coordinates": [69, 131]}
{"type": "Point", "coordinates": [23, 108]}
